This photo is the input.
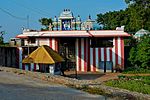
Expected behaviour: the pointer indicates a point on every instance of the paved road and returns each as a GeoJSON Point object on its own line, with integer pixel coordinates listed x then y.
{"type": "Point", "coordinates": [20, 87]}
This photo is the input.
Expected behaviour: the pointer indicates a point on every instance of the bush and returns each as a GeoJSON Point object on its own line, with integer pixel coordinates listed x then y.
{"type": "Point", "coordinates": [139, 54]}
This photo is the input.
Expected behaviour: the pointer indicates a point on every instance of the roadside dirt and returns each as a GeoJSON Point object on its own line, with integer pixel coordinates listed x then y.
{"type": "Point", "coordinates": [97, 76]}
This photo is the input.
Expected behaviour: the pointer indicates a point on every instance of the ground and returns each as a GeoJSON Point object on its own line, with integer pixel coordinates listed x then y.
{"type": "Point", "coordinates": [96, 76]}
{"type": "Point", "coordinates": [20, 87]}
{"type": "Point", "coordinates": [17, 84]}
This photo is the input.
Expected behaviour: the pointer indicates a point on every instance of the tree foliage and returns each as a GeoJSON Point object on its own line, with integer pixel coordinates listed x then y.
{"type": "Point", "coordinates": [134, 17]}
{"type": "Point", "coordinates": [45, 22]}
{"type": "Point", "coordinates": [140, 54]}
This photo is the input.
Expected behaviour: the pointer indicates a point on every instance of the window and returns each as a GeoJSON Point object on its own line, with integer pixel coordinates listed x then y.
{"type": "Point", "coordinates": [101, 42]}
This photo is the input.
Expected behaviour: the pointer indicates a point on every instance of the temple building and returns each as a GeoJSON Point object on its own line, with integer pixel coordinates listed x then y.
{"type": "Point", "coordinates": [66, 21]}
{"type": "Point", "coordinates": [82, 47]}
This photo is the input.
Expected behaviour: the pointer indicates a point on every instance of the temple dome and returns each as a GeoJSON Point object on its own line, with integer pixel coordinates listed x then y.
{"type": "Point", "coordinates": [141, 33]}
{"type": "Point", "coordinates": [66, 14]}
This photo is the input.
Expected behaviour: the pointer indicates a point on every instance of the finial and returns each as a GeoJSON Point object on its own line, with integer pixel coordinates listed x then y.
{"type": "Point", "coordinates": [79, 19]}
{"type": "Point", "coordinates": [89, 16]}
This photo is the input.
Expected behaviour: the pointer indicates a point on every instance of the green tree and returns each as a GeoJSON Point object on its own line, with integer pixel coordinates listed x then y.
{"type": "Point", "coordinates": [140, 54]}
{"type": "Point", "coordinates": [45, 22]}
{"type": "Point", "coordinates": [1, 37]}
{"type": "Point", "coordinates": [134, 17]}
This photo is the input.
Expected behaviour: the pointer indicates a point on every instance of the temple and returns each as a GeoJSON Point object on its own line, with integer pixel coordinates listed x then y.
{"type": "Point", "coordinates": [82, 46]}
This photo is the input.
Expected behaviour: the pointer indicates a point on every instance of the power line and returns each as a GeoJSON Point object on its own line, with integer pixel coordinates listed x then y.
{"type": "Point", "coordinates": [5, 11]}
{"type": "Point", "coordinates": [36, 10]}
{"type": "Point", "coordinates": [16, 17]}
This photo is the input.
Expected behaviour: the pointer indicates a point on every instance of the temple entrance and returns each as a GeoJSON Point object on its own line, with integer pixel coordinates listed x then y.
{"type": "Point", "coordinates": [67, 51]}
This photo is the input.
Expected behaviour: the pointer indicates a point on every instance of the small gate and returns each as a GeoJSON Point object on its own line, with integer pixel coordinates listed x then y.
{"type": "Point", "coordinates": [107, 66]}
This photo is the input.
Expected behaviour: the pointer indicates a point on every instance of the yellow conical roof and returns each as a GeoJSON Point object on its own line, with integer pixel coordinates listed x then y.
{"type": "Point", "coordinates": [44, 55]}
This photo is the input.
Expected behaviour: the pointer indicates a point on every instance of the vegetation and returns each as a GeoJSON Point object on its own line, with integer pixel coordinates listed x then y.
{"type": "Point", "coordinates": [92, 90]}
{"type": "Point", "coordinates": [45, 22]}
{"type": "Point", "coordinates": [134, 17]}
{"type": "Point", "coordinates": [139, 84]}
{"type": "Point", "coordinates": [4, 45]}
{"type": "Point", "coordinates": [132, 70]}
{"type": "Point", "coordinates": [2, 39]}
{"type": "Point", "coordinates": [140, 53]}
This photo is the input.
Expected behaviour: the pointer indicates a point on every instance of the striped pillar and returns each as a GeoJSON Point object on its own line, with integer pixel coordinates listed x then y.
{"type": "Point", "coordinates": [113, 53]}
{"type": "Point", "coordinates": [82, 54]}
{"type": "Point", "coordinates": [53, 43]}
{"type": "Point", "coordinates": [122, 53]}
{"type": "Point", "coordinates": [77, 53]}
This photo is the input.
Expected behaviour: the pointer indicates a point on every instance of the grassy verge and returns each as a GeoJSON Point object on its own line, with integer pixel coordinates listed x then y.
{"type": "Point", "coordinates": [133, 70]}
{"type": "Point", "coordinates": [88, 89]}
{"type": "Point", "coordinates": [139, 84]}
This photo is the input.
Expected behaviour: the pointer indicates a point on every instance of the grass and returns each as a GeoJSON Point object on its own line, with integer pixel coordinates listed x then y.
{"type": "Point", "coordinates": [92, 90]}
{"type": "Point", "coordinates": [139, 84]}
{"type": "Point", "coordinates": [88, 89]}
{"type": "Point", "coordinates": [132, 70]}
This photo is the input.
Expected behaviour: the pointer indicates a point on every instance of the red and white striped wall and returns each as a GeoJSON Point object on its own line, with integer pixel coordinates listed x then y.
{"type": "Point", "coordinates": [52, 42]}
{"type": "Point", "coordinates": [89, 58]}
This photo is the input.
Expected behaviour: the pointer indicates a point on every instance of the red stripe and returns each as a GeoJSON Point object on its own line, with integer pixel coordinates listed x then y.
{"type": "Point", "coordinates": [85, 55]}
{"type": "Point", "coordinates": [79, 44]}
{"type": "Point", "coordinates": [94, 60]}
{"type": "Point", "coordinates": [116, 50]}
{"type": "Point", "coordinates": [110, 51]}
{"type": "Point", "coordinates": [122, 53]}
{"type": "Point", "coordinates": [34, 67]}
{"type": "Point", "coordinates": [50, 42]}
{"type": "Point", "coordinates": [56, 45]}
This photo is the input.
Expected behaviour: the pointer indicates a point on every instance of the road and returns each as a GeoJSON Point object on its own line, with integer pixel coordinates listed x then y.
{"type": "Point", "coordinates": [21, 87]}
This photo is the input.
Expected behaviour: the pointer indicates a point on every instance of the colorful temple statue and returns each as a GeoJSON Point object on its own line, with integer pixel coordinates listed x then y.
{"type": "Point", "coordinates": [66, 21]}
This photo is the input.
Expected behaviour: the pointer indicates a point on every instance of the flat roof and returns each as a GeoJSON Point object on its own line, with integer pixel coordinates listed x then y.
{"type": "Point", "coordinates": [75, 33]}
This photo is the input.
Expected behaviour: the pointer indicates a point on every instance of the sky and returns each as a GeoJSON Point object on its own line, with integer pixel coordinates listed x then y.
{"type": "Point", "coordinates": [14, 13]}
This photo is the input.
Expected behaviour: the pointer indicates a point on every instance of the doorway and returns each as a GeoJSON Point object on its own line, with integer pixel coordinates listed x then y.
{"type": "Point", "coordinates": [67, 51]}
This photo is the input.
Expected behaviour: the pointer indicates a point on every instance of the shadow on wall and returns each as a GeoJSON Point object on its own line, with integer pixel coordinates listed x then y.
{"type": "Point", "coordinates": [107, 60]}
{"type": "Point", "coordinates": [8, 57]}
